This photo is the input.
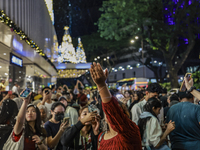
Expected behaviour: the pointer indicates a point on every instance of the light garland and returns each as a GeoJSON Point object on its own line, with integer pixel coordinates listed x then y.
{"type": "Point", "coordinates": [71, 73]}
{"type": "Point", "coordinates": [6, 20]}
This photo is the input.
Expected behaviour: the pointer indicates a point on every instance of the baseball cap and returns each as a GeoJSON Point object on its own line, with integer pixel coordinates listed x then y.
{"type": "Point", "coordinates": [62, 97]}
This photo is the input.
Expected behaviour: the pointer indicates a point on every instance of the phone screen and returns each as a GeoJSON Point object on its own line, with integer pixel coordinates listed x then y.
{"type": "Point", "coordinates": [183, 87]}
{"type": "Point", "coordinates": [25, 93]}
{"type": "Point", "coordinates": [66, 119]}
{"type": "Point", "coordinates": [88, 96]}
{"type": "Point", "coordinates": [119, 96]}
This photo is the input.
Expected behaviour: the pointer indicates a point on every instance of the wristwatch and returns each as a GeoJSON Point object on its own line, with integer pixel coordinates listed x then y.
{"type": "Point", "coordinates": [191, 89]}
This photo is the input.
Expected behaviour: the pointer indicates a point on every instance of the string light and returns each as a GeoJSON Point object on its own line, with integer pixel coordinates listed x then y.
{"type": "Point", "coordinates": [4, 18]}
{"type": "Point", "coordinates": [71, 73]}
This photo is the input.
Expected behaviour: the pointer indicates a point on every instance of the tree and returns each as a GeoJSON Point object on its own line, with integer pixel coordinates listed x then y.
{"type": "Point", "coordinates": [156, 66]}
{"type": "Point", "coordinates": [168, 26]}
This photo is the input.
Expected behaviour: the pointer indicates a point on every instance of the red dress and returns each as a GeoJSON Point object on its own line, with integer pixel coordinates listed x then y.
{"type": "Point", "coordinates": [128, 137]}
{"type": "Point", "coordinates": [28, 144]}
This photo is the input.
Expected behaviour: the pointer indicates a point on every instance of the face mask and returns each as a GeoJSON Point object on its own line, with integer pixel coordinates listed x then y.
{"type": "Point", "coordinates": [59, 117]}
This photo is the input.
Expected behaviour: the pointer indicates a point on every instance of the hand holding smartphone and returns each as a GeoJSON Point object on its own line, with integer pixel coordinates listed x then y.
{"type": "Point", "coordinates": [66, 119]}
{"type": "Point", "coordinates": [25, 93]}
{"type": "Point", "coordinates": [188, 77]}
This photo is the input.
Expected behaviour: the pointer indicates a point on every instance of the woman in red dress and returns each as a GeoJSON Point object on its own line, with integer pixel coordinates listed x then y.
{"type": "Point", "coordinates": [123, 134]}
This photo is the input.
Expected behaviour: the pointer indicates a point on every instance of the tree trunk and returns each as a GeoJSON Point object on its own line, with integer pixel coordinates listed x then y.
{"type": "Point", "coordinates": [172, 72]}
{"type": "Point", "coordinates": [173, 78]}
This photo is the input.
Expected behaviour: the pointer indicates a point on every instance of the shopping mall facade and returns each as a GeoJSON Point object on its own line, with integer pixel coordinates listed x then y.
{"type": "Point", "coordinates": [28, 43]}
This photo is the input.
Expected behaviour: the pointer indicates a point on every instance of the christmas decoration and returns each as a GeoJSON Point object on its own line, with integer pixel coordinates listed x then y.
{"type": "Point", "coordinates": [80, 54]}
{"type": "Point", "coordinates": [6, 20]}
{"type": "Point", "coordinates": [66, 50]}
{"type": "Point", "coordinates": [71, 73]}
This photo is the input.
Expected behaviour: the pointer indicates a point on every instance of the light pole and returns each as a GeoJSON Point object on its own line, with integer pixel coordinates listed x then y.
{"type": "Point", "coordinates": [142, 45]}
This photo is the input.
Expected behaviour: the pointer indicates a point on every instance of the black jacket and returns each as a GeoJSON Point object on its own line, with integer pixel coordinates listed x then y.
{"type": "Point", "coordinates": [70, 138]}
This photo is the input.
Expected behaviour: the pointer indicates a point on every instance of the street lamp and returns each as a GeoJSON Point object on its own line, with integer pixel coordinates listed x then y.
{"type": "Point", "coordinates": [95, 59]}
{"type": "Point", "coordinates": [136, 37]}
{"type": "Point", "coordinates": [132, 41]}
{"type": "Point", "coordinates": [104, 59]}
{"type": "Point", "coordinates": [98, 57]}
{"type": "Point", "coordinates": [108, 57]}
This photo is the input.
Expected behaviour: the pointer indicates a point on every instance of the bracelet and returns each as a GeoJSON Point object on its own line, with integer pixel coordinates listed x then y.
{"type": "Point", "coordinates": [191, 89]}
{"type": "Point", "coordinates": [40, 143]}
{"type": "Point", "coordinates": [102, 88]}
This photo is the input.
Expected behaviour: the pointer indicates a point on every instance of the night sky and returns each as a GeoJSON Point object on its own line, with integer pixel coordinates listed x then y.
{"type": "Point", "coordinates": [79, 15]}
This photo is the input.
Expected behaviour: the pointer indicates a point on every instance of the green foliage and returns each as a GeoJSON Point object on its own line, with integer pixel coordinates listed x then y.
{"type": "Point", "coordinates": [122, 18]}
{"type": "Point", "coordinates": [166, 85]}
{"type": "Point", "coordinates": [196, 78]}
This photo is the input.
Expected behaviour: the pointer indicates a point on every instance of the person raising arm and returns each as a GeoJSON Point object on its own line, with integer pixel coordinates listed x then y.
{"type": "Point", "coordinates": [123, 133]}
{"type": "Point", "coordinates": [34, 134]}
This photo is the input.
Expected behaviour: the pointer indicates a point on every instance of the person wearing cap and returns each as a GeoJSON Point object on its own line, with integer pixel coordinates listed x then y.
{"type": "Point", "coordinates": [15, 88]}
{"type": "Point", "coordinates": [2, 86]}
{"type": "Point", "coordinates": [70, 111]}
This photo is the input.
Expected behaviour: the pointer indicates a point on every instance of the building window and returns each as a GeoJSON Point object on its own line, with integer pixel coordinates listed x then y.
{"type": "Point", "coordinates": [134, 74]}
{"type": "Point", "coordinates": [115, 76]}
{"type": "Point", "coordinates": [124, 75]}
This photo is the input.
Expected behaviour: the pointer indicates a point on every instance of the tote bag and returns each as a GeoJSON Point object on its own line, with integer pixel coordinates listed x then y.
{"type": "Point", "coordinates": [11, 145]}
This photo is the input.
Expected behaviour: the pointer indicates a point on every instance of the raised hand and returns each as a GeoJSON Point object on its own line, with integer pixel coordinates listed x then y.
{"type": "Point", "coordinates": [26, 99]}
{"type": "Point", "coordinates": [88, 118]}
{"type": "Point", "coordinates": [188, 84]}
{"type": "Point", "coordinates": [98, 75]}
{"type": "Point", "coordinates": [63, 126]}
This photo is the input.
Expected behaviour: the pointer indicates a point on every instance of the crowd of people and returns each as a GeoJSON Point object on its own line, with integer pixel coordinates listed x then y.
{"type": "Point", "coordinates": [59, 118]}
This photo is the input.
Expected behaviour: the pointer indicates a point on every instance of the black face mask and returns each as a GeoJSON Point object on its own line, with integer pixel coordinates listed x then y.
{"type": "Point", "coordinates": [59, 117]}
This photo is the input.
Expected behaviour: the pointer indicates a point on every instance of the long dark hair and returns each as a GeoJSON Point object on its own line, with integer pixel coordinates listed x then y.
{"type": "Point", "coordinates": [148, 107]}
{"type": "Point", "coordinates": [8, 115]}
{"type": "Point", "coordinates": [38, 129]}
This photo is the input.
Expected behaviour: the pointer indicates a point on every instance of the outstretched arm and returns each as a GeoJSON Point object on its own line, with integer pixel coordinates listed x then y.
{"type": "Point", "coordinates": [99, 77]}
{"type": "Point", "coordinates": [21, 116]}
{"type": "Point", "coordinates": [189, 85]}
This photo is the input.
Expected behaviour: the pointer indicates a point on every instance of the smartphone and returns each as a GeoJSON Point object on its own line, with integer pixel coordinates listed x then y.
{"type": "Point", "coordinates": [188, 77]}
{"type": "Point", "coordinates": [46, 92]}
{"type": "Point", "coordinates": [66, 119]}
{"type": "Point", "coordinates": [119, 96]}
{"type": "Point", "coordinates": [26, 92]}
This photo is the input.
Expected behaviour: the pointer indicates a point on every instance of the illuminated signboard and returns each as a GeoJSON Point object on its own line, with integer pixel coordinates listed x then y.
{"type": "Point", "coordinates": [16, 60]}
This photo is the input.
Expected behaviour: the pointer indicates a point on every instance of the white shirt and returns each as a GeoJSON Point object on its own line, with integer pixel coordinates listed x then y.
{"type": "Point", "coordinates": [136, 110]}
{"type": "Point", "coordinates": [15, 90]}
{"type": "Point", "coordinates": [72, 114]}
{"type": "Point", "coordinates": [48, 106]}
{"type": "Point", "coordinates": [153, 132]}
